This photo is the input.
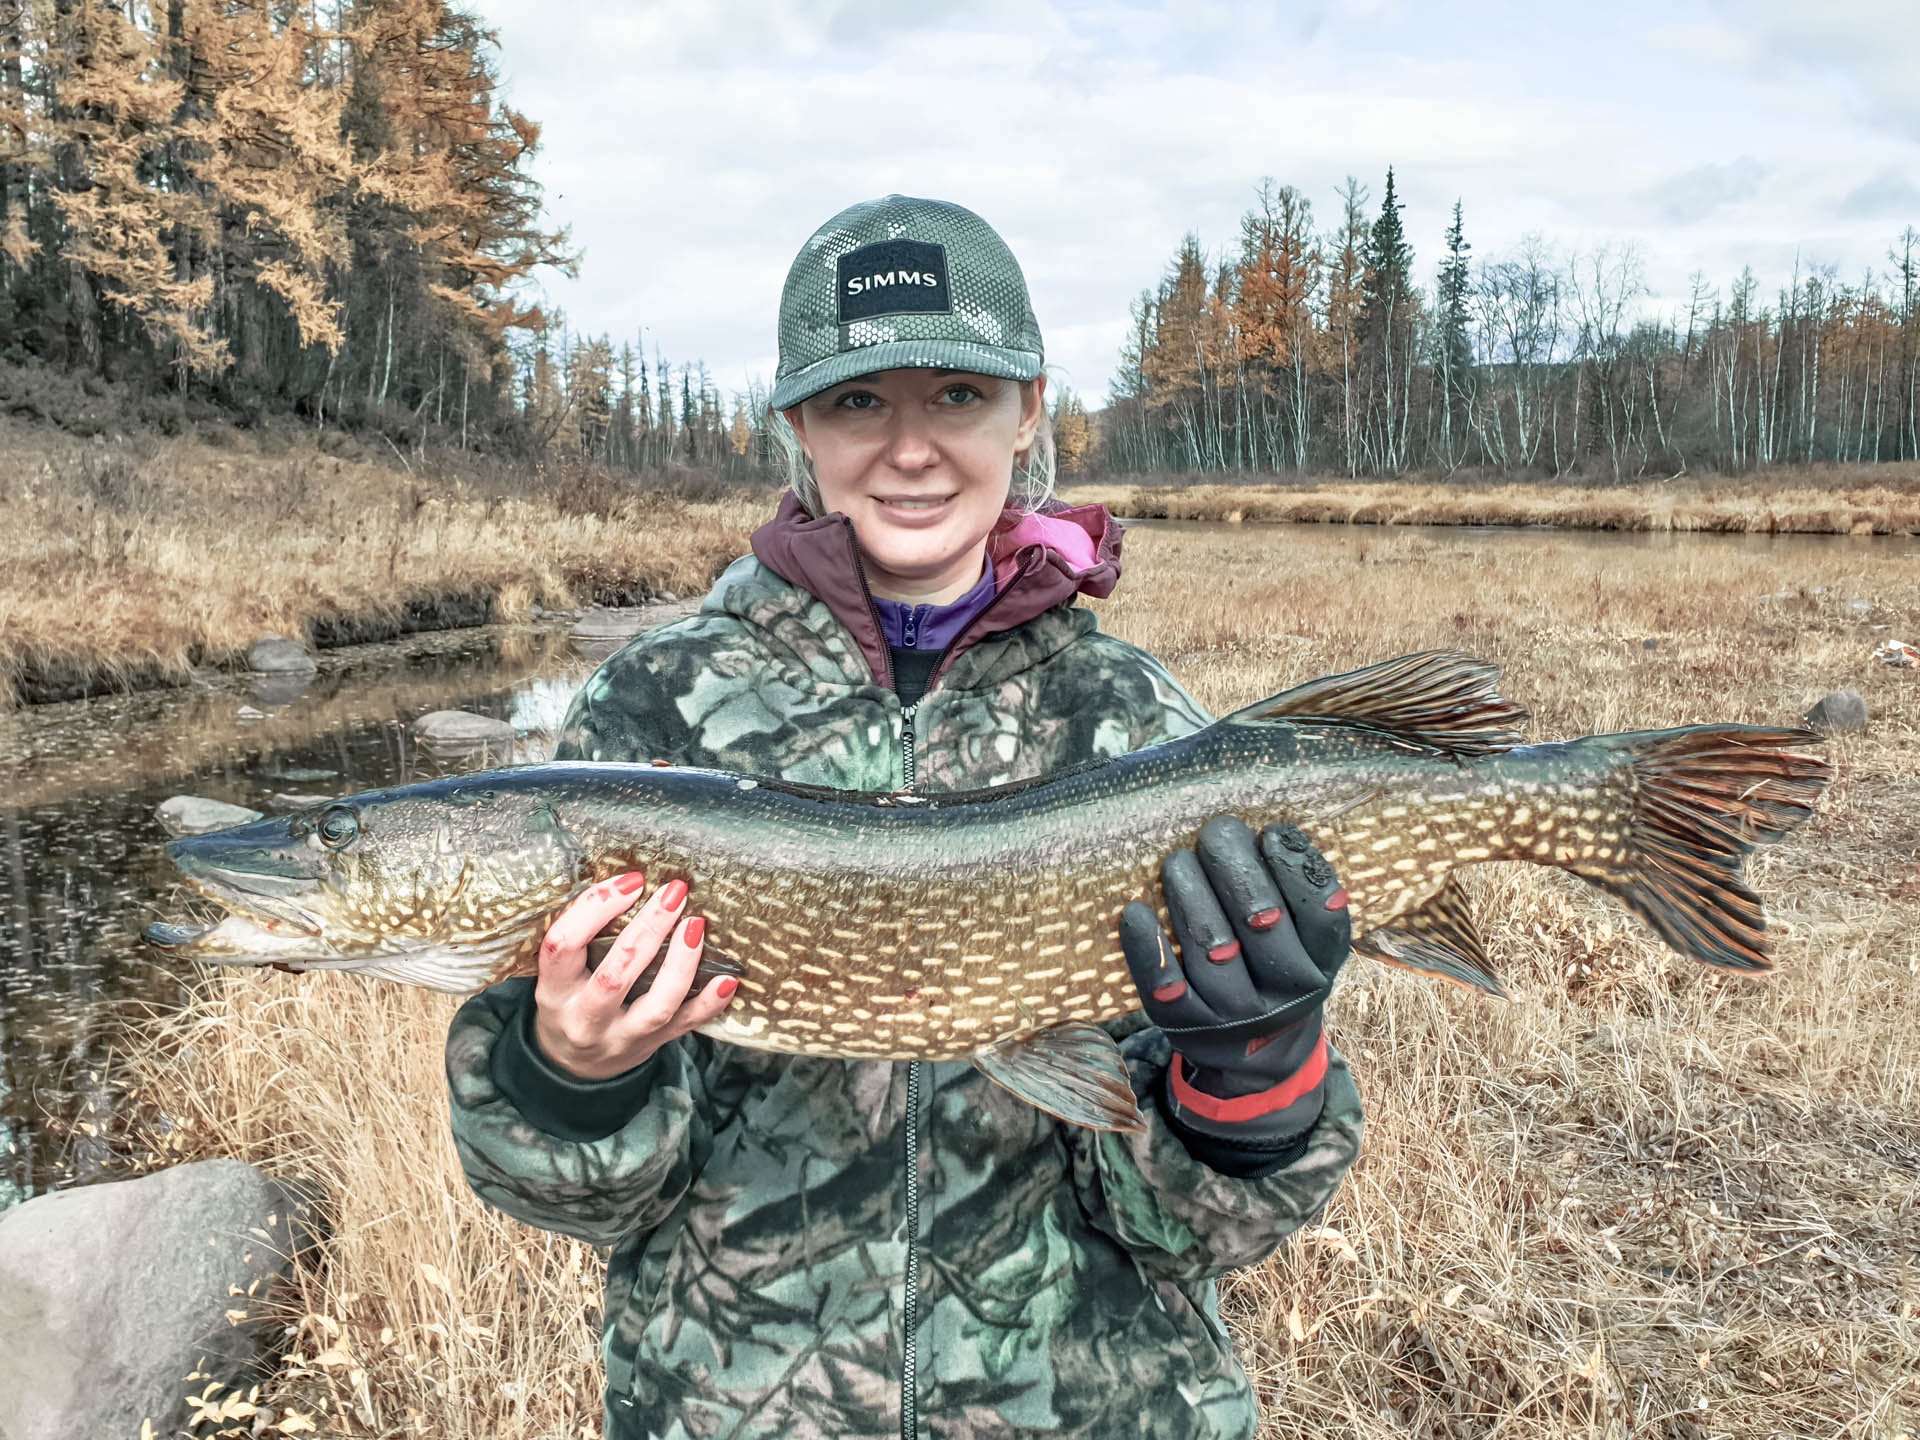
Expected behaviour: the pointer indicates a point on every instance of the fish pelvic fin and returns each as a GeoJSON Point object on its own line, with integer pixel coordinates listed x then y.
{"type": "Point", "coordinates": [1443, 699]}
{"type": "Point", "coordinates": [1073, 1071]}
{"type": "Point", "coordinates": [1437, 938]}
{"type": "Point", "coordinates": [1702, 798]}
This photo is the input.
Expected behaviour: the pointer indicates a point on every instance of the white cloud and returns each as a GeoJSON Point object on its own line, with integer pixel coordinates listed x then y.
{"type": "Point", "coordinates": [693, 146]}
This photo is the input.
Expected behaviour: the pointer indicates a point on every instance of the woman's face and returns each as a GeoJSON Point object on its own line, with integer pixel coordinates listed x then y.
{"type": "Point", "coordinates": [920, 461]}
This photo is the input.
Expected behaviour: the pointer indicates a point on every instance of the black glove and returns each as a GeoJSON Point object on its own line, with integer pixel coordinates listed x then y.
{"type": "Point", "coordinates": [1263, 929]}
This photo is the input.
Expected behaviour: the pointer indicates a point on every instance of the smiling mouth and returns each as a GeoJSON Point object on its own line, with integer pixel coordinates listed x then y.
{"type": "Point", "coordinates": [910, 503]}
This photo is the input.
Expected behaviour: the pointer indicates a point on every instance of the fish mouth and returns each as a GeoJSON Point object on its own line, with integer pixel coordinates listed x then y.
{"type": "Point", "coordinates": [260, 881]}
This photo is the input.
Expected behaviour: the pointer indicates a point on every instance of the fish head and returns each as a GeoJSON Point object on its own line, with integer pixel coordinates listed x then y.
{"type": "Point", "coordinates": [444, 884]}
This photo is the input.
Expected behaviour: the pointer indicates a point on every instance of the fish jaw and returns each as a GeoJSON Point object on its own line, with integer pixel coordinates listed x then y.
{"type": "Point", "coordinates": [260, 874]}
{"type": "Point", "coordinates": [453, 969]}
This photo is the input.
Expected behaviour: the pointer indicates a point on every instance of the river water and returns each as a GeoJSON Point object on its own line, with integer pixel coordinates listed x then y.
{"type": "Point", "coordinates": [84, 871]}
{"type": "Point", "coordinates": [79, 784]}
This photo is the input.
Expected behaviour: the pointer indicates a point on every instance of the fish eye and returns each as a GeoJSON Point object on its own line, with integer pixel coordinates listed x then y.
{"type": "Point", "coordinates": [338, 829]}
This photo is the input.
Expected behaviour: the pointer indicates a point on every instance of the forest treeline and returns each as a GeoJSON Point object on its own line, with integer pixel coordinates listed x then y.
{"type": "Point", "coordinates": [327, 212]}
{"type": "Point", "coordinates": [1299, 349]}
{"type": "Point", "coordinates": [330, 211]}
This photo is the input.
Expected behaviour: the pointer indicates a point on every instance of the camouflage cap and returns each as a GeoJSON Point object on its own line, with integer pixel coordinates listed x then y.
{"type": "Point", "coordinates": [900, 283]}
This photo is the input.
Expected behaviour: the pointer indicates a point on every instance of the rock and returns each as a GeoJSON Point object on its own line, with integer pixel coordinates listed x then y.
{"type": "Point", "coordinates": [458, 732]}
{"type": "Point", "coordinates": [1859, 607]}
{"type": "Point", "coordinates": [247, 713]}
{"type": "Point", "coordinates": [110, 1295]}
{"type": "Point", "coordinates": [281, 687]}
{"type": "Point", "coordinates": [289, 800]}
{"type": "Point", "coordinates": [1650, 643]}
{"type": "Point", "coordinates": [1842, 712]}
{"type": "Point", "coordinates": [667, 597]}
{"type": "Point", "coordinates": [195, 815]}
{"type": "Point", "coordinates": [276, 654]}
{"type": "Point", "coordinates": [605, 628]}
{"type": "Point", "coordinates": [301, 776]}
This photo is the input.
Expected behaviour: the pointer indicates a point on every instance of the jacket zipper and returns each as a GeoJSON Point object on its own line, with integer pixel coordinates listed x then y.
{"type": "Point", "coordinates": [910, 1297]}
{"type": "Point", "coordinates": [907, 762]}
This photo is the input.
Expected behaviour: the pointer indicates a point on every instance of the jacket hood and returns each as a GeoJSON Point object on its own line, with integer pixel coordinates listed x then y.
{"type": "Point", "coordinates": [1039, 561]}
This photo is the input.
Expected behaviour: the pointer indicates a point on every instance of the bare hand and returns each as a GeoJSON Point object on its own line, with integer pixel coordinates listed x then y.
{"type": "Point", "coordinates": [581, 1018]}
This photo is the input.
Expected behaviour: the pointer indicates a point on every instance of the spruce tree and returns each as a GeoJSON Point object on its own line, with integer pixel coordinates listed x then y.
{"type": "Point", "coordinates": [1456, 347]}
{"type": "Point", "coordinates": [1389, 266]}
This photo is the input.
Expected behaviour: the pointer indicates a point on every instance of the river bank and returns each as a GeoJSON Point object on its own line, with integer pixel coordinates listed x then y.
{"type": "Point", "coordinates": [1643, 1191]}
{"type": "Point", "coordinates": [1828, 500]}
{"type": "Point", "coordinates": [127, 562]}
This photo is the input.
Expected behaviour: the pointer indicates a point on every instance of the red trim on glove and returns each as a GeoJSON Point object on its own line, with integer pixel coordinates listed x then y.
{"type": "Point", "coordinates": [1249, 1107]}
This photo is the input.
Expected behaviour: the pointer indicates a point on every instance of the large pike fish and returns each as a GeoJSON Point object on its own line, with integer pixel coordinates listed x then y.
{"type": "Point", "coordinates": [984, 925]}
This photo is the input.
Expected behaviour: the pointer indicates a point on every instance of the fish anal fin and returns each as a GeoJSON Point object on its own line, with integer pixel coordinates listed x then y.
{"type": "Point", "coordinates": [1438, 938]}
{"type": "Point", "coordinates": [1073, 1071]}
{"type": "Point", "coordinates": [1444, 699]}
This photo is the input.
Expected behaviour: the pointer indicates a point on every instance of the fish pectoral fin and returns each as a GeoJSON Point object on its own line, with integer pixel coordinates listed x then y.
{"type": "Point", "coordinates": [1437, 937]}
{"type": "Point", "coordinates": [1073, 1071]}
{"type": "Point", "coordinates": [1442, 699]}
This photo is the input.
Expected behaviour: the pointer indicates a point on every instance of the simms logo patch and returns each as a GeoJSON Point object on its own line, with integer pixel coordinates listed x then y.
{"type": "Point", "coordinates": [894, 277]}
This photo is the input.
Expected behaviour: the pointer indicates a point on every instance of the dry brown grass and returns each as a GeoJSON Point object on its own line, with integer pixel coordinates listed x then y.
{"type": "Point", "coordinates": [144, 556]}
{"type": "Point", "coordinates": [1642, 1200]}
{"type": "Point", "coordinates": [1857, 500]}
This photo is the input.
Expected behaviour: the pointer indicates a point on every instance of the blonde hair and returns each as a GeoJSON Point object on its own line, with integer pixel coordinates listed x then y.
{"type": "Point", "coordinates": [1033, 473]}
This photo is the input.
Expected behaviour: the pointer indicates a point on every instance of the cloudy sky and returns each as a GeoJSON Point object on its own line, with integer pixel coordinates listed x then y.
{"type": "Point", "coordinates": [693, 145]}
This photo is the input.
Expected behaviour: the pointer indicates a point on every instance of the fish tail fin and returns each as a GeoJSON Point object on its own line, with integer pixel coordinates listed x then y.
{"type": "Point", "coordinates": [1701, 798]}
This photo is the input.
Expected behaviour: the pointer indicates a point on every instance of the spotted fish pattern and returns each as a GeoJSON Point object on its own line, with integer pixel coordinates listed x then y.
{"type": "Point", "coordinates": [756, 1203]}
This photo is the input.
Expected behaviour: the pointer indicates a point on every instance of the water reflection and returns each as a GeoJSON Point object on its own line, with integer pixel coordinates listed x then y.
{"type": "Point", "coordinates": [79, 785]}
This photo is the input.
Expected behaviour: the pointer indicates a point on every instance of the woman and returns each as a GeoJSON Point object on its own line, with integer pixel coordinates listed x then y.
{"type": "Point", "coordinates": [809, 1247]}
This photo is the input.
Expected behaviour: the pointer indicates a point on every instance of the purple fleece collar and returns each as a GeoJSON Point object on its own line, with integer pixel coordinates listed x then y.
{"type": "Point", "coordinates": [933, 627]}
{"type": "Point", "coordinates": [1032, 570]}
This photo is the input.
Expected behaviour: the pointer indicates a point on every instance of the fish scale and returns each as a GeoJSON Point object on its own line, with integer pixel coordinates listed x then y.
{"type": "Point", "coordinates": [984, 925]}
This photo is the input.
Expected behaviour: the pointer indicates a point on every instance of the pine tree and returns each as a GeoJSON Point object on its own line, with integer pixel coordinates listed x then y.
{"type": "Point", "coordinates": [1388, 317]}
{"type": "Point", "coordinates": [1454, 359]}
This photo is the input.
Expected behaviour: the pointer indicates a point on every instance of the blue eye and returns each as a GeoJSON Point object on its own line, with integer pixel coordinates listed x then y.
{"type": "Point", "coordinates": [858, 400]}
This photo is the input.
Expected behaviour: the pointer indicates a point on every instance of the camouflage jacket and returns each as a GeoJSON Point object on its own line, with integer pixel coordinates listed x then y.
{"type": "Point", "coordinates": [806, 1247]}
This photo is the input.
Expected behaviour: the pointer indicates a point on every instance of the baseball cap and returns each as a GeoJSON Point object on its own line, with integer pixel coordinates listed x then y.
{"type": "Point", "coordinates": [900, 283]}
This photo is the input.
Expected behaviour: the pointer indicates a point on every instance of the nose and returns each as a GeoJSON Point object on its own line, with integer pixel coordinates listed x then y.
{"type": "Point", "coordinates": [910, 442]}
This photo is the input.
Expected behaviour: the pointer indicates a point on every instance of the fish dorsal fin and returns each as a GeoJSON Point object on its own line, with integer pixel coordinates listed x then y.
{"type": "Point", "coordinates": [1437, 937]}
{"type": "Point", "coordinates": [1073, 1071]}
{"type": "Point", "coordinates": [1444, 699]}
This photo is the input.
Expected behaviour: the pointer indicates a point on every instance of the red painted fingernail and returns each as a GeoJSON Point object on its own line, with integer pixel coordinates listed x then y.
{"type": "Point", "coordinates": [1265, 920]}
{"type": "Point", "coordinates": [674, 896]}
{"type": "Point", "coordinates": [629, 883]}
{"type": "Point", "coordinates": [1167, 994]}
{"type": "Point", "coordinates": [1220, 954]}
{"type": "Point", "coordinates": [726, 988]}
{"type": "Point", "coordinates": [1337, 900]}
{"type": "Point", "coordinates": [695, 932]}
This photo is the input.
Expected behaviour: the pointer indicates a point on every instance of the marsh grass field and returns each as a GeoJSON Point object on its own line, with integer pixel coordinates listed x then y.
{"type": "Point", "coordinates": [1642, 1199]}
{"type": "Point", "coordinates": [136, 559]}
{"type": "Point", "coordinates": [1800, 500]}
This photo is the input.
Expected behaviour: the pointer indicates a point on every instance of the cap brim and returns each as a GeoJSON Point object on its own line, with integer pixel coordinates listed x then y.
{"type": "Point", "coordinates": [904, 355]}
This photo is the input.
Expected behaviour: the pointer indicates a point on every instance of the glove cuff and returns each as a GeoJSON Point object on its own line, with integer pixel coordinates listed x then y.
{"type": "Point", "coordinates": [1242, 1109]}
{"type": "Point", "coordinates": [1263, 1120]}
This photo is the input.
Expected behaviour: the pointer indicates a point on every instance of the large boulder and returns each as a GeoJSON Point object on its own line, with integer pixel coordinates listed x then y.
{"type": "Point", "coordinates": [454, 734]}
{"type": "Point", "coordinates": [195, 815]}
{"type": "Point", "coordinates": [1841, 712]}
{"type": "Point", "coordinates": [276, 654]}
{"type": "Point", "coordinates": [111, 1295]}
